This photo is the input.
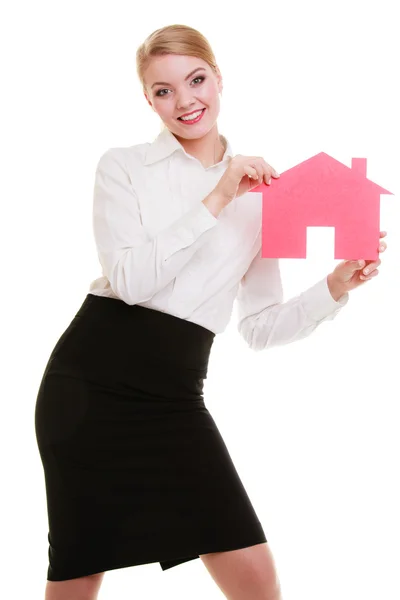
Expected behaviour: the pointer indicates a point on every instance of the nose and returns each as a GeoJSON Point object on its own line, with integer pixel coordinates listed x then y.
{"type": "Point", "coordinates": [185, 100]}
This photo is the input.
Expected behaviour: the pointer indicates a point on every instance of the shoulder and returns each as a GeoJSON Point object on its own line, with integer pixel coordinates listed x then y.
{"type": "Point", "coordinates": [127, 157]}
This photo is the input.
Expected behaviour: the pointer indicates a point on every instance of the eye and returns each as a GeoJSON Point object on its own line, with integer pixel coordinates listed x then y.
{"type": "Point", "coordinates": [160, 93]}
{"type": "Point", "coordinates": [200, 77]}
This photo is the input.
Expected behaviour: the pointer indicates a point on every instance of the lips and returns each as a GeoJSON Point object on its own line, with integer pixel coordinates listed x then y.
{"type": "Point", "coordinates": [191, 113]}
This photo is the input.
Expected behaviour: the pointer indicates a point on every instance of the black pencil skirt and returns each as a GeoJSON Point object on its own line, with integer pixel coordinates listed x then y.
{"type": "Point", "coordinates": [135, 468]}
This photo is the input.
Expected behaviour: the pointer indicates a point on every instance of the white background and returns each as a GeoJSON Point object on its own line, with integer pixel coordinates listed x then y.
{"type": "Point", "coordinates": [312, 427]}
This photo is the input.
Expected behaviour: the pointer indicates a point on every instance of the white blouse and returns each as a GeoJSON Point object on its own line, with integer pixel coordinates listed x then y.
{"type": "Point", "coordinates": [160, 247]}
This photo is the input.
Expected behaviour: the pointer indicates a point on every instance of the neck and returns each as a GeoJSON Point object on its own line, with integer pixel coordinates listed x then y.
{"type": "Point", "coordinates": [209, 149]}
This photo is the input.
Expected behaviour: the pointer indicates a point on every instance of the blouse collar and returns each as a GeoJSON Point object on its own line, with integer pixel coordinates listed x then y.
{"type": "Point", "coordinates": [166, 144]}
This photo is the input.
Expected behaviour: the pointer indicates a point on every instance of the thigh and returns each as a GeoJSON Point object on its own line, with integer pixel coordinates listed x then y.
{"type": "Point", "coordinates": [82, 588]}
{"type": "Point", "coordinates": [245, 573]}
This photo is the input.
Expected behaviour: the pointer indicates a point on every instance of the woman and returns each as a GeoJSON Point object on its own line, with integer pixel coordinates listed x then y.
{"type": "Point", "coordinates": [136, 470]}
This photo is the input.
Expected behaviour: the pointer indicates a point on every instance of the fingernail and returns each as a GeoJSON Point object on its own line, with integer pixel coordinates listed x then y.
{"type": "Point", "coordinates": [269, 182]}
{"type": "Point", "coordinates": [360, 263]}
{"type": "Point", "coordinates": [366, 271]}
{"type": "Point", "coordinates": [381, 247]}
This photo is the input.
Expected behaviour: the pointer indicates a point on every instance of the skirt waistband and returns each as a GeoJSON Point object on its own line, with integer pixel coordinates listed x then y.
{"type": "Point", "coordinates": [134, 348]}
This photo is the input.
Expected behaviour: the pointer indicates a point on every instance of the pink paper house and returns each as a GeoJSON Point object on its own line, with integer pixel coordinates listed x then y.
{"type": "Point", "coordinates": [322, 192]}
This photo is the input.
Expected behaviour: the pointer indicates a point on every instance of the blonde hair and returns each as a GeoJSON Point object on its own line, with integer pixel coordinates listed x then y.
{"type": "Point", "coordinates": [173, 39]}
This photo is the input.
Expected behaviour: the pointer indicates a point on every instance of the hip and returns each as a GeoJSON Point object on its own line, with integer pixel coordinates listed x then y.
{"type": "Point", "coordinates": [118, 344]}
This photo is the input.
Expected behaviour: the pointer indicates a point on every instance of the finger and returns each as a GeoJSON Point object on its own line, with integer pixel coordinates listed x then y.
{"type": "Point", "coordinates": [351, 266]}
{"type": "Point", "coordinates": [268, 169]}
{"type": "Point", "coordinates": [258, 170]}
{"type": "Point", "coordinates": [274, 173]}
{"type": "Point", "coordinates": [371, 267]}
{"type": "Point", "coordinates": [382, 247]}
{"type": "Point", "coordinates": [383, 234]}
{"type": "Point", "coordinates": [370, 276]}
{"type": "Point", "coordinates": [259, 173]}
{"type": "Point", "coordinates": [262, 174]}
{"type": "Point", "coordinates": [251, 172]}
{"type": "Point", "coordinates": [347, 268]}
{"type": "Point", "coordinates": [267, 178]}
{"type": "Point", "coordinates": [267, 174]}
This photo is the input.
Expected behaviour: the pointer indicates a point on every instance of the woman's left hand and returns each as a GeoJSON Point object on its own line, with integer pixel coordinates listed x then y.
{"type": "Point", "coordinates": [350, 274]}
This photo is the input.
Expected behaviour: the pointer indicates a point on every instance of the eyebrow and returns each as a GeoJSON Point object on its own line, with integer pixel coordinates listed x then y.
{"type": "Point", "coordinates": [186, 78]}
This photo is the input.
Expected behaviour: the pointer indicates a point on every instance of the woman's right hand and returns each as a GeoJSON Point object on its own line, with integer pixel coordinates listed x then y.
{"type": "Point", "coordinates": [242, 175]}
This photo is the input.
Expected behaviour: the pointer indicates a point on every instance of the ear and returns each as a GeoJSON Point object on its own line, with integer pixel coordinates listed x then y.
{"type": "Point", "coordinates": [148, 99]}
{"type": "Point", "coordinates": [219, 79]}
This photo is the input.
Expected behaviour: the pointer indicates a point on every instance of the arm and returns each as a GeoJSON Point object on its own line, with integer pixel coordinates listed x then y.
{"type": "Point", "coordinates": [136, 265]}
{"type": "Point", "coordinates": [266, 321]}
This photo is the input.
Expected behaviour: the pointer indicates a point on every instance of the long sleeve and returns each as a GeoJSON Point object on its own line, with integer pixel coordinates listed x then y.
{"type": "Point", "coordinates": [136, 265]}
{"type": "Point", "coordinates": [266, 321]}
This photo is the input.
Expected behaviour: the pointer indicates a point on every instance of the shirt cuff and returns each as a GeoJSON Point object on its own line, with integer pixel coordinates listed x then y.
{"type": "Point", "coordinates": [318, 302]}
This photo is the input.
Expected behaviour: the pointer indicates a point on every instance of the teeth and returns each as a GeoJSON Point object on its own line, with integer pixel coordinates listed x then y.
{"type": "Point", "coordinates": [192, 117]}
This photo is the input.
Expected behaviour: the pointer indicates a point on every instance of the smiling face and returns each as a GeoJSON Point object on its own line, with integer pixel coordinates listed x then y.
{"type": "Point", "coordinates": [176, 85]}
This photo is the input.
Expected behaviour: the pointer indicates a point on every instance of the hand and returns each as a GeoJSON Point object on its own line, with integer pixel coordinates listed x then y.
{"type": "Point", "coordinates": [242, 175]}
{"type": "Point", "coordinates": [350, 274]}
